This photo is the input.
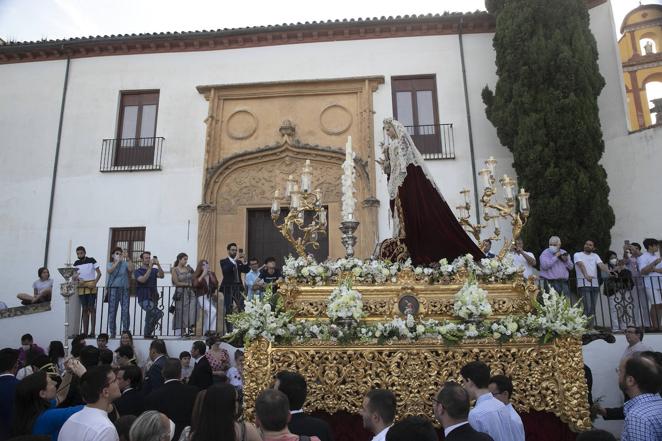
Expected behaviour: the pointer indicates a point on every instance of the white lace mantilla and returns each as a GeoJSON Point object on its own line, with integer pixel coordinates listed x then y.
{"type": "Point", "coordinates": [399, 153]}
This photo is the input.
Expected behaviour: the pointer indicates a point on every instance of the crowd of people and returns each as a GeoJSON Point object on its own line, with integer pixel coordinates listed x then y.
{"type": "Point", "coordinates": [200, 301]}
{"type": "Point", "coordinates": [197, 293]}
{"type": "Point", "coordinates": [98, 395]}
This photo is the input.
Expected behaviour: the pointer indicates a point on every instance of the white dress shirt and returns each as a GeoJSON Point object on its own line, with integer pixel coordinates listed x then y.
{"type": "Point", "coordinates": [491, 416]}
{"type": "Point", "coordinates": [517, 421]}
{"type": "Point", "coordinates": [381, 436]}
{"type": "Point", "coordinates": [89, 424]}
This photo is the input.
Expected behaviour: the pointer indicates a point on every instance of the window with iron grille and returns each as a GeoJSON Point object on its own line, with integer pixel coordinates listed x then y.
{"type": "Point", "coordinates": [132, 240]}
{"type": "Point", "coordinates": [415, 106]}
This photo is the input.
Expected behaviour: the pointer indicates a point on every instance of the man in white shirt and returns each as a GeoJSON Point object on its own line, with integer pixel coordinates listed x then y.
{"type": "Point", "coordinates": [451, 409]}
{"type": "Point", "coordinates": [99, 389]}
{"type": "Point", "coordinates": [251, 278]}
{"type": "Point", "coordinates": [523, 259]}
{"type": "Point", "coordinates": [650, 267]}
{"type": "Point", "coordinates": [586, 268]}
{"type": "Point", "coordinates": [489, 415]}
{"type": "Point", "coordinates": [501, 388]}
{"type": "Point", "coordinates": [378, 412]}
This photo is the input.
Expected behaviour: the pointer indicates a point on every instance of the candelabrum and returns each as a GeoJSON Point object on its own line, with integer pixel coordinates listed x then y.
{"type": "Point", "coordinates": [348, 228]}
{"type": "Point", "coordinates": [67, 289]}
{"type": "Point", "coordinates": [514, 207]}
{"type": "Point", "coordinates": [301, 201]}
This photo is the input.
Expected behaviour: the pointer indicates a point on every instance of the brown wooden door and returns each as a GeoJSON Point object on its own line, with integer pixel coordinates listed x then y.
{"type": "Point", "coordinates": [265, 240]}
{"type": "Point", "coordinates": [415, 106]}
{"type": "Point", "coordinates": [137, 129]}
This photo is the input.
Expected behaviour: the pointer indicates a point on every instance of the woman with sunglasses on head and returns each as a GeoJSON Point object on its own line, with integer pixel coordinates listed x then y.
{"type": "Point", "coordinates": [35, 411]}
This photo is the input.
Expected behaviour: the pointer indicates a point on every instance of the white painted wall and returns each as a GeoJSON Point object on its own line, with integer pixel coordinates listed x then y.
{"type": "Point", "coordinates": [632, 161]}
{"type": "Point", "coordinates": [88, 203]}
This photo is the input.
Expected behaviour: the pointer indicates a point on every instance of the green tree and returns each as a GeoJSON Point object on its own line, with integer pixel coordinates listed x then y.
{"type": "Point", "coordinates": [545, 111]}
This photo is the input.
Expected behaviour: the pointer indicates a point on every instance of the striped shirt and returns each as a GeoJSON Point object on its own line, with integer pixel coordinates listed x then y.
{"type": "Point", "coordinates": [643, 418]}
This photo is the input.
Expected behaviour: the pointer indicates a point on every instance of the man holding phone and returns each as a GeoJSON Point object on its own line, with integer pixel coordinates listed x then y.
{"type": "Point", "coordinates": [231, 286]}
{"type": "Point", "coordinates": [555, 265]}
{"type": "Point", "coordinates": [148, 295]}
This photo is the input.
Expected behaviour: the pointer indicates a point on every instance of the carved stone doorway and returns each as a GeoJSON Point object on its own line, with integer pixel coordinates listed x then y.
{"type": "Point", "coordinates": [246, 160]}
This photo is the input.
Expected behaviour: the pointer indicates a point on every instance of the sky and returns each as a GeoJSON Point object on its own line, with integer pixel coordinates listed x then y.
{"type": "Point", "coordinates": [29, 20]}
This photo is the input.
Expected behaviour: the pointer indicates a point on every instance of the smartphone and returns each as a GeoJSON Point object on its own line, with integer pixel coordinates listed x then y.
{"type": "Point", "coordinates": [241, 251]}
{"type": "Point", "coordinates": [627, 242]}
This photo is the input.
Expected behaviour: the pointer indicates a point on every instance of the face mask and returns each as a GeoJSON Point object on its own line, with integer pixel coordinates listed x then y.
{"type": "Point", "coordinates": [613, 261]}
{"type": "Point", "coordinates": [26, 347]}
{"type": "Point", "coordinates": [553, 248]}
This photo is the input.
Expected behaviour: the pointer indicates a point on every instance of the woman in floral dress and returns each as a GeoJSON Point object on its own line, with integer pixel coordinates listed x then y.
{"type": "Point", "coordinates": [219, 360]}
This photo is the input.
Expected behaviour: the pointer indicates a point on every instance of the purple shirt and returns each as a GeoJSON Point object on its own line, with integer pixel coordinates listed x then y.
{"type": "Point", "coordinates": [22, 355]}
{"type": "Point", "coordinates": [551, 267]}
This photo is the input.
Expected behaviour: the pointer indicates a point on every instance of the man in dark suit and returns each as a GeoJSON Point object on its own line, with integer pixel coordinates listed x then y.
{"type": "Point", "coordinates": [8, 382]}
{"type": "Point", "coordinates": [174, 399]}
{"type": "Point", "coordinates": [201, 377]}
{"type": "Point", "coordinates": [153, 377]}
{"type": "Point", "coordinates": [451, 408]}
{"type": "Point", "coordinates": [294, 386]}
{"type": "Point", "coordinates": [231, 285]}
{"type": "Point", "coordinates": [412, 428]}
{"type": "Point", "coordinates": [131, 402]}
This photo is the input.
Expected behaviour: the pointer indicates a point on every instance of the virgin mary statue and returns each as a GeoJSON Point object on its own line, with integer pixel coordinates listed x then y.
{"type": "Point", "coordinates": [422, 220]}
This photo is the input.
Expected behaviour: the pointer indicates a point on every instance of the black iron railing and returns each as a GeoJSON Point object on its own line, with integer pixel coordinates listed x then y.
{"type": "Point", "coordinates": [614, 304]}
{"type": "Point", "coordinates": [131, 154]}
{"type": "Point", "coordinates": [617, 302]}
{"type": "Point", "coordinates": [434, 141]}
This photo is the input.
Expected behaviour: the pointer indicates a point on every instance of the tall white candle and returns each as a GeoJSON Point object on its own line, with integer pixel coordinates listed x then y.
{"type": "Point", "coordinates": [69, 252]}
{"type": "Point", "coordinates": [348, 177]}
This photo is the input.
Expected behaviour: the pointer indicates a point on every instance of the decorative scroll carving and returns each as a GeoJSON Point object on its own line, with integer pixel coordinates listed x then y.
{"type": "Point", "coordinates": [546, 377]}
{"type": "Point", "coordinates": [436, 301]}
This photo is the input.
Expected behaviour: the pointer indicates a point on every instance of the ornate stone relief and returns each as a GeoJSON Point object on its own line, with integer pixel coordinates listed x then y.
{"type": "Point", "coordinates": [335, 119]}
{"type": "Point", "coordinates": [242, 124]}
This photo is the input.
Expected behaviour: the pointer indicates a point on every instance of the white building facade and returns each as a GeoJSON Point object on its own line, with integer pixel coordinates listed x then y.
{"type": "Point", "coordinates": [453, 51]}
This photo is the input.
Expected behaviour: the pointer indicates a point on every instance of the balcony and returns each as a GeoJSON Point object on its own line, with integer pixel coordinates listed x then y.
{"type": "Point", "coordinates": [434, 141]}
{"type": "Point", "coordinates": [131, 154]}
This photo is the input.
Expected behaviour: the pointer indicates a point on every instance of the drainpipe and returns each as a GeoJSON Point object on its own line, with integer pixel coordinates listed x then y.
{"type": "Point", "coordinates": [471, 134]}
{"type": "Point", "coordinates": [55, 162]}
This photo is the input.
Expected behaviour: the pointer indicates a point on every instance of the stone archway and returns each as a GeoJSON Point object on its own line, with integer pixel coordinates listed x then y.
{"type": "Point", "coordinates": [244, 165]}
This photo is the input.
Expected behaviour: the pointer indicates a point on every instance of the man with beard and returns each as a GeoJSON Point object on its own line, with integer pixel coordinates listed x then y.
{"type": "Point", "coordinates": [231, 287]}
{"type": "Point", "coordinates": [640, 378]}
{"type": "Point", "coordinates": [378, 412]}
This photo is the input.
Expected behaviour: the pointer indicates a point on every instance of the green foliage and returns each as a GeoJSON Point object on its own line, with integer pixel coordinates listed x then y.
{"type": "Point", "coordinates": [545, 111]}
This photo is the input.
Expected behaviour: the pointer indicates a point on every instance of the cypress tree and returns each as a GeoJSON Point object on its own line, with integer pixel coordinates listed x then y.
{"type": "Point", "coordinates": [545, 111]}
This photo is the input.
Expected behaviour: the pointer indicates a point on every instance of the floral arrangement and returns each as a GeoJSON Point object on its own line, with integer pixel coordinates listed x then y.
{"type": "Point", "coordinates": [344, 303]}
{"type": "Point", "coordinates": [262, 317]}
{"type": "Point", "coordinates": [471, 302]}
{"type": "Point", "coordinates": [306, 271]}
{"type": "Point", "coordinates": [556, 316]}
{"type": "Point", "coordinates": [266, 317]}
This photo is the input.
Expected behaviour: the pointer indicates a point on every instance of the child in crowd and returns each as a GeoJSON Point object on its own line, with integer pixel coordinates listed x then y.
{"type": "Point", "coordinates": [187, 368]}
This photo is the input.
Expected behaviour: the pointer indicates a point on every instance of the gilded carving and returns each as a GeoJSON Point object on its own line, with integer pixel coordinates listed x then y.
{"type": "Point", "coordinates": [546, 377]}
{"type": "Point", "coordinates": [436, 301]}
